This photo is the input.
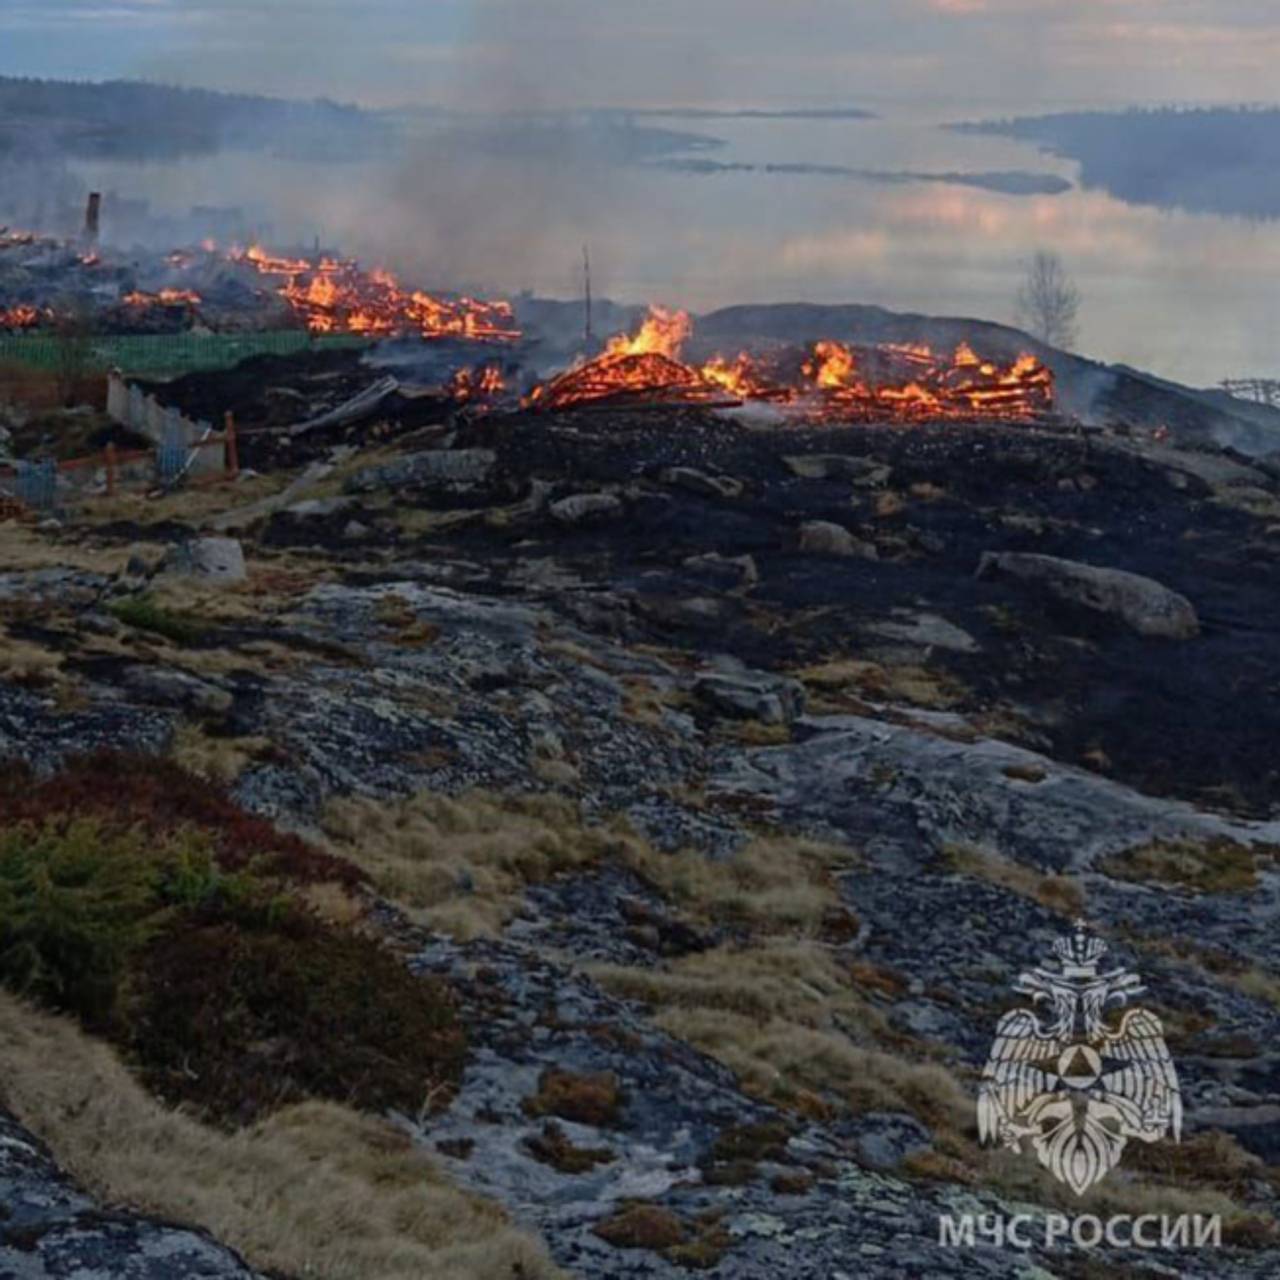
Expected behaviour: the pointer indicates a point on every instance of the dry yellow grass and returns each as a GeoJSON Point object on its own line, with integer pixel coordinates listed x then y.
{"type": "Point", "coordinates": [220, 760]}
{"type": "Point", "coordinates": [191, 504]}
{"type": "Point", "coordinates": [27, 663]}
{"type": "Point", "coordinates": [792, 1020]}
{"type": "Point", "coordinates": [1202, 866]}
{"type": "Point", "coordinates": [776, 885]}
{"type": "Point", "coordinates": [460, 865]}
{"type": "Point", "coordinates": [316, 1190]}
{"type": "Point", "coordinates": [844, 683]}
{"type": "Point", "coordinates": [27, 548]}
{"type": "Point", "coordinates": [1058, 893]}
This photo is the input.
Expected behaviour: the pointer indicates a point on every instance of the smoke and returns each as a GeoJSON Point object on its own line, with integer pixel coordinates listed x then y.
{"type": "Point", "coordinates": [497, 174]}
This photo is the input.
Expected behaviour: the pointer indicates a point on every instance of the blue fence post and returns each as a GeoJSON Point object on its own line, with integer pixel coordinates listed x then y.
{"type": "Point", "coordinates": [37, 484]}
{"type": "Point", "coordinates": [171, 456]}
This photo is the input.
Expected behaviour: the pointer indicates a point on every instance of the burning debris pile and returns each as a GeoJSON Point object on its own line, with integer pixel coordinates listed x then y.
{"type": "Point", "coordinates": [336, 296]}
{"type": "Point", "coordinates": [828, 381]}
{"type": "Point", "coordinates": [639, 370]}
{"type": "Point", "coordinates": [44, 280]}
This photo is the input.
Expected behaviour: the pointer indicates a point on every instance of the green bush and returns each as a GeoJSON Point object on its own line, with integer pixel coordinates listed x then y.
{"type": "Point", "coordinates": [74, 904]}
{"type": "Point", "coordinates": [190, 947]}
{"type": "Point", "coordinates": [78, 899]}
{"type": "Point", "coordinates": [145, 614]}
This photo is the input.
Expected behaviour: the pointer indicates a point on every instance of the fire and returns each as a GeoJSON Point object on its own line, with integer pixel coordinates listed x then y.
{"type": "Point", "coordinates": [833, 367]}
{"type": "Point", "coordinates": [663, 333]}
{"type": "Point", "coordinates": [268, 265]}
{"type": "Point", "coordinates": [485, 383]}
{"type": "Point", "coordinates": [910, 382]}
{"type": "Point", "coordinates": [164, 298]}
{"type": "Point", "coordinates": [335, 296]}
{"type": "Point", "coordinates": [645, 367]}
{"type": "Point", "coordinates": [22, 316]}
{"type": "Point", "coordinates": [834, 382]}
{"type": "Point", "coordinates": [741, 377]}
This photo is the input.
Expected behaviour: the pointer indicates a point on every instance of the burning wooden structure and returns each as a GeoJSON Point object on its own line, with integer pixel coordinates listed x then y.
{"type": "Point", "coordinates": [829, 381]}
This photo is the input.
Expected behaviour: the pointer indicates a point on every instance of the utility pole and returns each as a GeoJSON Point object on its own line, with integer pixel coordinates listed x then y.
{"type": "Point", "coordinates": [586, 272]}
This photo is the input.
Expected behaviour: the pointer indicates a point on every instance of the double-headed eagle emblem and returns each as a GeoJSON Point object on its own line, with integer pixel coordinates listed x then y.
{"type": "Point", "coordinates": [1077, 1088]}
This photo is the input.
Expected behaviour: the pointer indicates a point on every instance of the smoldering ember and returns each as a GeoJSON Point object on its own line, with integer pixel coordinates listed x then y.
{"type": "Point", "coordinates": [531, 788]}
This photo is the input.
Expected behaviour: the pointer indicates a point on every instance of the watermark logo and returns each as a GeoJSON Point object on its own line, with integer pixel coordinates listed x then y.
{"type": "Point", "coordinates": [1078, 1075]}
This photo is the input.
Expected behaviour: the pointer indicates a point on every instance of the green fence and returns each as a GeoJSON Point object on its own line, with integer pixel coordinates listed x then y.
{"type": "Point", "coordinates": [159, 355]}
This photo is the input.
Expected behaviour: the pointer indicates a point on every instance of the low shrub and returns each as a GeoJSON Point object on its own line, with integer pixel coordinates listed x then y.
{"type": "Point", "coordinates": [74, 904]}
{"type": "Point", "coordinates": [159, 914]}
{"type": "Point", "coordinates": [241, 1008]}
{"type": "Point", "coordinates": [145, 614]}
{"type": "Point", "coordinates": [122, 790]}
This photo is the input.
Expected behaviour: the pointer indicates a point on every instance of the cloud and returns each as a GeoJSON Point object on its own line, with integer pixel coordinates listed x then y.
{"type": "Point", "coordinates": [710, 53]}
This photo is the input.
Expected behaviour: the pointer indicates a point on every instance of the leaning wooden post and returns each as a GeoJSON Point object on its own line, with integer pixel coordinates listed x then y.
{"type": "Point", "coordinates": [232, 454]}
{"type": "Point", "coordinates": [111, 469]}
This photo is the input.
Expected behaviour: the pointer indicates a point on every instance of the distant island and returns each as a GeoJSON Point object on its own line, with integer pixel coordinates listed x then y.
{"type": "Point", "coordinates": [1011, 183]}
{"type": "Point", "coordinates": [1202, 160]}
{"type": "Point", "coordinates": [134, 120]}
{"type": "Point", "coordinates": [752, 113]}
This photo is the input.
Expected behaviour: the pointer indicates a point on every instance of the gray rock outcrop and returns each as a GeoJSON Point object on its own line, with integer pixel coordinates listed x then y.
{"type": "Point", "coordinates": [1141, 603]}
{"type": "Point", "coordinates": [213, 559]}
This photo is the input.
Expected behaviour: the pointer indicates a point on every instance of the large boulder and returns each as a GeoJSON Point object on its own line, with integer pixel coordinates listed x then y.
{"type": "Point", "coordinates": [823, 538]}
{"type": "Point", "coordinates": [1141, 603]}
{"type": "Point", "coordinates": [213, 559]}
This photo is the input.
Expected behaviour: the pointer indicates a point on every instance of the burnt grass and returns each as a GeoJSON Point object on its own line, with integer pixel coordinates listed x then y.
{"type": "Point", "coordinates": [1195, 718]}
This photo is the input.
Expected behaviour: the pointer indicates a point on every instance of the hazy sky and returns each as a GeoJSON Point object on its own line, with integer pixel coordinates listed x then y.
{"type": "Point", "coordinates": [515, 53]}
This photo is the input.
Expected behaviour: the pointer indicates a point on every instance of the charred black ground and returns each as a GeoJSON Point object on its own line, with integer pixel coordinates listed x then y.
{"type": "Point", "coordinates": [1191, 717]}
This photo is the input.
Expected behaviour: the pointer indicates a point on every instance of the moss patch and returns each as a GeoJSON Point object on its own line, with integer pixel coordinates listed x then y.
{"type": "Point", "coordinates": [698, 1245]}
{"type": "Point", "coordinates": [1208, 866]}
{"type": "Point", "coordinates": [594, 1098]}
{"type": "Point", "coordinates": [642, 1226]}
{"type": "Point", "coordinates": [144, 613]}
{"type": "Point", "coordinates": [551, 1145]}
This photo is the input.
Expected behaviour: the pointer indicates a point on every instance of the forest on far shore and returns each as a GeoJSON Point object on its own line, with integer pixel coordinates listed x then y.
{"type": "Point", "coordinates": [1223, 160]}
{"type": "Point", "coordinates": [128, 119]}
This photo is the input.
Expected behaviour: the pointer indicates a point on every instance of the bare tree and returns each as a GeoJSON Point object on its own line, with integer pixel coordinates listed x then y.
{"type": "Point", "coordinates": [1048, 304]}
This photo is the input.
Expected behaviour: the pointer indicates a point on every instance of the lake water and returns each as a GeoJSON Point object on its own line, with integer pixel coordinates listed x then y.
{"type": "Point", "coordinates": [1191, 297]}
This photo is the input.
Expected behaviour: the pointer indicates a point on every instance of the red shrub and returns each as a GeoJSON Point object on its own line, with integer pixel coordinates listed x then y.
{"type": "Point", "coordinates": [131, 790]}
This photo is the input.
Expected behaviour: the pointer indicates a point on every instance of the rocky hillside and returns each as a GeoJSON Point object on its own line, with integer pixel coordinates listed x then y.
{"type": "Point", "coordinates": [603, 845]}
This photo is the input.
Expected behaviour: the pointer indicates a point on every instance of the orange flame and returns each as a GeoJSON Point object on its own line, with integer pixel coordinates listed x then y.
{"type": "Point", "coordinates": [165, 298]}
{"type": "Point", "coordinates": [23, 316]}
{"type": "Point", "coordinates": [663, 333]}
{"type": "Point", "coordinates": [484, 383]}
{"type": "Point", "coordinates": [334, 296]}
{"type": "Point", "coordinates": [893, 382]}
